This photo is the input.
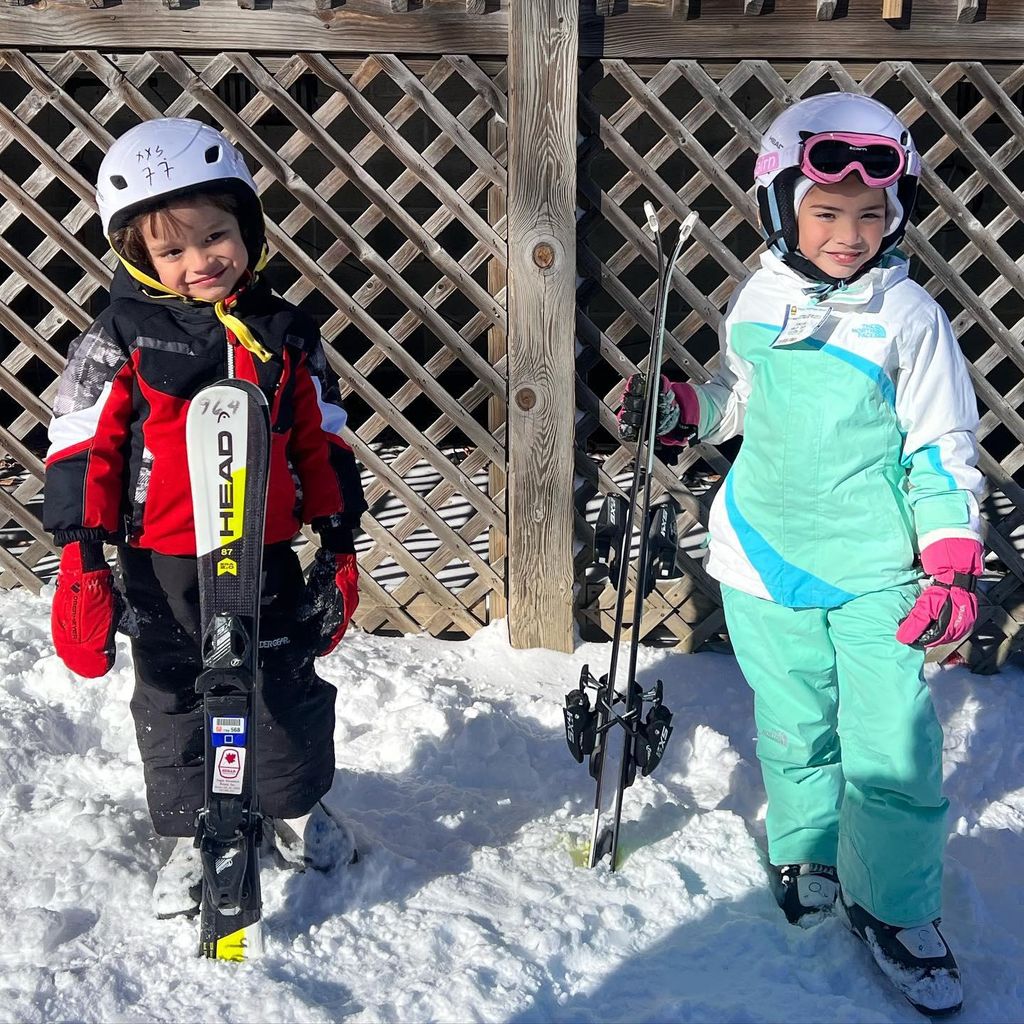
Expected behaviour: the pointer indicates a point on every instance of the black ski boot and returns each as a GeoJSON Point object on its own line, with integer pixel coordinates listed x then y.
{"type": "Point", "coordinates": [805, 891]}
{"type": "Point", "coordinates": [917, 961]}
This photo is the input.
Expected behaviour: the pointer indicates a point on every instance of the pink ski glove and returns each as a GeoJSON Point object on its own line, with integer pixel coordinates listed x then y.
{"type": "Point", "coordinates": [948, 607]}
{"type": "Point", "coordinates": [689, 415]}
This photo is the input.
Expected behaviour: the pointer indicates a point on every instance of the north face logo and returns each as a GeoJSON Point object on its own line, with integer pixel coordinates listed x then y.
{"type": "Point", "coordinates": [870, 331]}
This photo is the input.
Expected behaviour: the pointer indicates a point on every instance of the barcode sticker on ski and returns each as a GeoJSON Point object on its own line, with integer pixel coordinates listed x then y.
{"type": "Point", "coordinates": [229, 725]}
{"type": "Point", "coordinates": [228, 770]}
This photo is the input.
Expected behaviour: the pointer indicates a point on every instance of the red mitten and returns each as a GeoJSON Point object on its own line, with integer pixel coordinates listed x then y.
{"type": "Point", "coordinates": [948, 607]}
{"type": "Point", "coordinates": [85, 610]}
{"type": "Point", "coordinates": [332, 596]}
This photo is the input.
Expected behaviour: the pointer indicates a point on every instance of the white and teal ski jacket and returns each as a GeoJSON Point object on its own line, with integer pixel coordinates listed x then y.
{"type": "Point", "coordinates": [858, 419]}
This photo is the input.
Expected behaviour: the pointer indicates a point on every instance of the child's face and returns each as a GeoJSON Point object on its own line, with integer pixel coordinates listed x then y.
{"type": "Point", "coordinates": [196, 249]}
{"type": "Point", "coordinates": [841, 226]}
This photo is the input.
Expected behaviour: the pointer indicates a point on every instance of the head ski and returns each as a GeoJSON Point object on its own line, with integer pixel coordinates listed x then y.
{"type": "Point", "coordinates": [228, 441]}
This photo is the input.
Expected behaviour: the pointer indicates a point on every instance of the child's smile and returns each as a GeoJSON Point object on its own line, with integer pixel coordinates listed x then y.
{"type": "Point", "coordinates": [196, 249]}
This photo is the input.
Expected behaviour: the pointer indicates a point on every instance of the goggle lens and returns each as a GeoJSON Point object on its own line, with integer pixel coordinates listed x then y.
{"type": "Point", "coordinates": [833, 156]}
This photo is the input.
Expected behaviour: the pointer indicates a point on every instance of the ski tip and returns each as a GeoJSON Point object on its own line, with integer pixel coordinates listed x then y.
{"type": "Point", "coordinates": [652, 217]}
{"type": "Point", "coordinates": [244, 944]}
{"type": "Point", "coordinates": [686, 228]}
{"type": "Point", "coordinates": [578, 848]}
{"type": "Point", "coordinates": [579, 852]}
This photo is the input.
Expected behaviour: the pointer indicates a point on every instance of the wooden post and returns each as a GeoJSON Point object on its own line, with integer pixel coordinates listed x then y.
{"type": "Point", "coordinates": [542, 84]}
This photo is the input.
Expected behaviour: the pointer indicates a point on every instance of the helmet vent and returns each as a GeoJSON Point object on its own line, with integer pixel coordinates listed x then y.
{"type": "Point", "coordinates": [118, 182]}
{"type": "Point", "coordinates": [212, 154]}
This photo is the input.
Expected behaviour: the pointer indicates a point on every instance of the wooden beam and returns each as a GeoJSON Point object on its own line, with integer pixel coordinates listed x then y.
{"type": "Point", "coordinates": [791, 32]}
{"type": "Point", "coordinates": [753, 6]}
{"type": "Point", "coordinates": [826, 10]}
{"type": "Point", "coordinates": [892, 10]}
{"type": "Point", "coordinates": [542, 81]}
{"type": "Point", "coordinates": [295, 26]}
{"type": "Point", "coordinates": [645, 32]}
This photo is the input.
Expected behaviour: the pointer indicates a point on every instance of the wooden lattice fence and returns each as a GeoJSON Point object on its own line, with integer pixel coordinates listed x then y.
{"type": "Point", "coordinates": [385, 183]}
{"type": "Point", "coordinates": [676, 135]}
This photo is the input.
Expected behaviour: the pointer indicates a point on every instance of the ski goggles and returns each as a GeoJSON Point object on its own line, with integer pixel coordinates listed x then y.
{"type": "Point", "coordinates": [879, 161]}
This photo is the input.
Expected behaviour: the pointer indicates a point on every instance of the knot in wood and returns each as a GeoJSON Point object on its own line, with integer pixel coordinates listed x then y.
{"type": "Point", "coordinates": [544, 255]}
{"type": "Point", "coordinates": [526, 399]}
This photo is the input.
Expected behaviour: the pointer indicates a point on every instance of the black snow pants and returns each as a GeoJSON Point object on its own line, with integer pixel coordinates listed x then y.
{"type": "Point", "coordinates": [295, 723]}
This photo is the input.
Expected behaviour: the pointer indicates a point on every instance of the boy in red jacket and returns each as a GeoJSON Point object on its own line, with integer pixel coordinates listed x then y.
{"type": "Point", "coordinates": [188, 307]}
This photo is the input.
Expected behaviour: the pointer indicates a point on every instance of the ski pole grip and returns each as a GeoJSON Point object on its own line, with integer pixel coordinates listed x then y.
{"type": "Point", "coordinates": [652, 217]}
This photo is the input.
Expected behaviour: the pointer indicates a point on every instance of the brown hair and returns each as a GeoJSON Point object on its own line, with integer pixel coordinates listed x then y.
{"type": "Point", "coordinates": [129, 241]}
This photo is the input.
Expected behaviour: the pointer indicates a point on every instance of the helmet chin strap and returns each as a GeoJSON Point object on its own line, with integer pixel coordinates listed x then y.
{"type": "Point", "coordinates": [802, 265]}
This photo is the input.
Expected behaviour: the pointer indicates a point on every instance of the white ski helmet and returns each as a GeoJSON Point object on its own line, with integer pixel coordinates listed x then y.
{"type": "Point", "coordinates": [170, 157]}
{"type": "Point", "coordinates": [782, 161]}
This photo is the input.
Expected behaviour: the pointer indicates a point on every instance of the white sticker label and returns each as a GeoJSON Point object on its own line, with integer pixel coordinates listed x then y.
{"type": "Point", "coordinates": [228, 770]}
{"type": "Point", "coordinates": [233, 726]}
{"type": "Point", "coordinates": [800, 323]}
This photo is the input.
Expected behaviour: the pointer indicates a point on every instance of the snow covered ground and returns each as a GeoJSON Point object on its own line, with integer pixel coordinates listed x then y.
{"type": "Point", "coordinates": [466, 905]}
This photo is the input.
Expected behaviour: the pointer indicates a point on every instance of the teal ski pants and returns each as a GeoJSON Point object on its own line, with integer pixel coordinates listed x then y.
{"type": "Point", "coordinates": [849, 745]}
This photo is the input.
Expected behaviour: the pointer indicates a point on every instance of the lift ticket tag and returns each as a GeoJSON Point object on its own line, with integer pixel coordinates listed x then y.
{"type": "Point", "coordinates": [800, 323]}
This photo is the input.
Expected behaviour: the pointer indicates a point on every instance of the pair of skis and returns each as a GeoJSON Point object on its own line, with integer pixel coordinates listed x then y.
{"type": "Point", "coordinates": [227, 433]}
{"type": "Point", "coordinates": [588, 726]}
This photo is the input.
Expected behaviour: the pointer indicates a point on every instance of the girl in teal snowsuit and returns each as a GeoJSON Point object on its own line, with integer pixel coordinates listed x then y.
{"type": "Point", "coordinates": [858, 463]}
